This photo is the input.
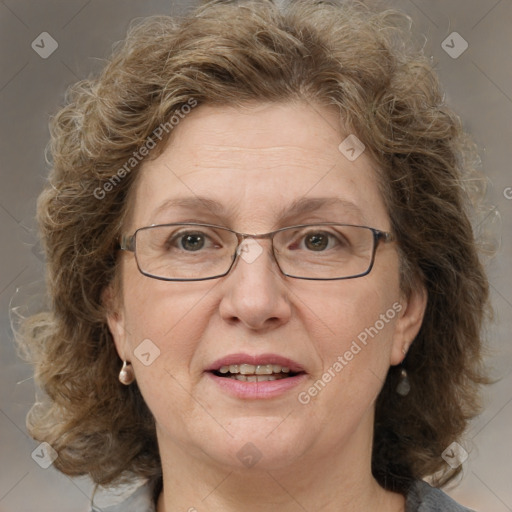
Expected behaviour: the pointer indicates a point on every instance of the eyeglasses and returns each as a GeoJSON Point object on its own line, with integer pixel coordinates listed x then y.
{"type": "Point", "coordinates": [197, 252]}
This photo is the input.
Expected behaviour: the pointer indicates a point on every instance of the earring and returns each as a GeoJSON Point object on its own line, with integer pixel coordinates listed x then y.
{"type": "Point", "coordinates": [404, 386]}
{"type": "Point", "coordinates": [126, 375]}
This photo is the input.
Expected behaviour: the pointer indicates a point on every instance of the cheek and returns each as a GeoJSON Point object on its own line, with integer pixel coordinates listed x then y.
{"type": "Point", "coordinates": [163, 324]}
{"type": "Point", "coordinates": [359, 309]}
{"type": "Point", "coordinates": [159, 310]}
{"type": "Point", "coordinates": [168, 320]}
{"type": "Point", "coordinates": [353, 331]}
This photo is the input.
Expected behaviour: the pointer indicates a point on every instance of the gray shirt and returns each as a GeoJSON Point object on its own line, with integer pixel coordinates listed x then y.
{"type": "Point", "coordinates": [139, 498]}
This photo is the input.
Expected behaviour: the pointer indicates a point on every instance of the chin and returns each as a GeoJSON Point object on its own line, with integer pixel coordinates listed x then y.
{"type": "Point", "coordinates": [259, 443]}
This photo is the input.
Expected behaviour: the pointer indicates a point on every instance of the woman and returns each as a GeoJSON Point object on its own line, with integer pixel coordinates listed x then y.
{"type": "Point", "coordinates": [266, 293]}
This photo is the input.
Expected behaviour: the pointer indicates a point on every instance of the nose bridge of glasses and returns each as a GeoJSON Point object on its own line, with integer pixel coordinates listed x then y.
{"type": "Point", "coordinates": [260, 236]}
{"type": "Point", "coordinates": [250, 246]}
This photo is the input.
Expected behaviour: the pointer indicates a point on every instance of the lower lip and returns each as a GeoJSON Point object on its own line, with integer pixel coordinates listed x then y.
{"type": "Point", "coordinates": [257, 390]}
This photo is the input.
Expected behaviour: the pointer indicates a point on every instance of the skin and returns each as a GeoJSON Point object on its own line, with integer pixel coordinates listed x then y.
{"type": "Point", "coordinates": [316, 456]}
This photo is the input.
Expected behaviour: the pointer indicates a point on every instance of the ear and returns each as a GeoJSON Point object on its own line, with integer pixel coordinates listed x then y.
{"type": "Point", "coordinates": [115, 319]}
{"type": "Point", "coordinates": [409, 322]}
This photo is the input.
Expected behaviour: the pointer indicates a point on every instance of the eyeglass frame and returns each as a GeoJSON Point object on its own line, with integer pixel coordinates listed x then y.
{"type": "Point", "coordinates": [128, 243]}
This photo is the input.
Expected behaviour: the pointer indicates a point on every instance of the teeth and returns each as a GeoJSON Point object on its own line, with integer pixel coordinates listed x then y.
{"type": "Point", "coordinates": [264, 369]}
{"type": "Point", "coordinates": [255, 378]}
{"type": "Point", "coordinates": [247, 369]}
{"type": "Point", "coordinates": [251, 369]}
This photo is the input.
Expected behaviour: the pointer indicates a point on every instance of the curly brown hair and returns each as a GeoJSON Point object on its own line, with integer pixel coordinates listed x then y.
{"type": "Point", "coordinates": [346, 56]}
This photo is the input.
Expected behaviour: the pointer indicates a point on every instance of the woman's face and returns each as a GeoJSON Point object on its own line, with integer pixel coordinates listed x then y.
{"type": "Point", "coordinates": [342, 335]}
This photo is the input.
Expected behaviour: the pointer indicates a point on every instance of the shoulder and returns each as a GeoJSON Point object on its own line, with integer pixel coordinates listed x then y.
{"type": "Point", "coordinates": [134, 497]}
{"type": "Point", "coordinates": [424, 498]}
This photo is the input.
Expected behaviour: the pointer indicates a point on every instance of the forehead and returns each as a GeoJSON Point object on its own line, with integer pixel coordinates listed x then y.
{"type": "Point", "coordinates": [256, 167]}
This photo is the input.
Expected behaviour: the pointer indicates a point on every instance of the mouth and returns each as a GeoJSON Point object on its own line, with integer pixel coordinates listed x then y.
{"type": "Point", "coordinates": [256, 377]}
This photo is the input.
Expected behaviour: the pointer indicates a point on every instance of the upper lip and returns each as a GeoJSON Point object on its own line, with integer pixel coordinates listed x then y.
{"type": "Point", "coordinates": [260, 359]}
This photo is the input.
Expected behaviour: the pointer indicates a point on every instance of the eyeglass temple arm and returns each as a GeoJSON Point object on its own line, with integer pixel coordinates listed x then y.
{"type": "Point", "coordinates": [387, 236]}
{"type": "Point", "coordinates": [127, 243]}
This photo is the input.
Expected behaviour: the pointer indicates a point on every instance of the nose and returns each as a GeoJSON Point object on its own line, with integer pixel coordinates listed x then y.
{"type": "Point", "coordinates": [254, 292]}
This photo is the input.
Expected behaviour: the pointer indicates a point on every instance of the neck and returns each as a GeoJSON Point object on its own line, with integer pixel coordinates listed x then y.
{"type": "Point", "coordinates": [337, 480]}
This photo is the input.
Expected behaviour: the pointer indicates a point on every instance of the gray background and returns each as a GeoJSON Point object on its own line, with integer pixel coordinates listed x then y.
{"type": "Point", "coordinates": [478, 85]}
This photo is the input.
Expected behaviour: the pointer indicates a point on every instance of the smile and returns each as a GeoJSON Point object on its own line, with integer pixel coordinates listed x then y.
{"type": "Point", "coordinates": [256, 377]}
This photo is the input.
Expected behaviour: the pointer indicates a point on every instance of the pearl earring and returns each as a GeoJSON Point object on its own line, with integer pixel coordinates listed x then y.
{"type": "Point", "coordinates": [404, 386]}
{"type": "Point", "coordinates": [126, 375]}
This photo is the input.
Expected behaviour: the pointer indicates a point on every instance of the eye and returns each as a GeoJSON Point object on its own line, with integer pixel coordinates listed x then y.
{"type": "Point", "coordinates": [320, 241]}
{"type": "Point", "coordinates": [192, 241]}
{"type": "Point", "coordinates": [317, 241]}
{"type": "Point", "coordinates": [189, 241]}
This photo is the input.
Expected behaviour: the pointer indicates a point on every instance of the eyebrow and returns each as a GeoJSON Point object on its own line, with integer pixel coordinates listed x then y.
{"type": "Point", "coordinates": [298, 207]}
